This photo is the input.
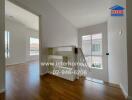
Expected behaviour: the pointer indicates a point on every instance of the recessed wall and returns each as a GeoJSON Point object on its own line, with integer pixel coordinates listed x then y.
{"type": "Point", "coordinates": [19, 42]}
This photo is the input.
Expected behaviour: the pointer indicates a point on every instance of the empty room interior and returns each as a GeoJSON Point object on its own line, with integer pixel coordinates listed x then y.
{"type": "Point", "coordinates": [65, 50]}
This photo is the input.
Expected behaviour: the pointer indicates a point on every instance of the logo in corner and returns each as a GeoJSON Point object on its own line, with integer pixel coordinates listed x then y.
{"type": "Point", "coordinates": [117, 10]}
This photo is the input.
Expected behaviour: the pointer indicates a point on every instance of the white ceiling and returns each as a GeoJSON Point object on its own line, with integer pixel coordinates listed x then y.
{"type": "Point", "coordinates": [21, 15]}
{"type": "Point", "coordinates": [82, 13]}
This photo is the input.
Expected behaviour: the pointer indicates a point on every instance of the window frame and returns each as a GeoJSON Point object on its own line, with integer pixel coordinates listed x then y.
{"type": "Point", "coordinates": [7, 44]}
{"type": "Point", "coordinates": [30, 51]}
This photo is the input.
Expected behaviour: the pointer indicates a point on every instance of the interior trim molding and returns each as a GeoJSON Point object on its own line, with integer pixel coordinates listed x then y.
{"type": "Point", "coordinates": [124, 91]}
{"type": "Point", "coordinates": [17, 63]}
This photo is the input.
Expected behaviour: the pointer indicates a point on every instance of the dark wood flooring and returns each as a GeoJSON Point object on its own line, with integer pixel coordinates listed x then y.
{"type": "Point", "coordinates": [23, 83]}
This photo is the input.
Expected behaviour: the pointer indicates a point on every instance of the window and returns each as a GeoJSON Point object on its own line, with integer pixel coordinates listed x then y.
{"type": "Point", "coordinates": [34, 46]}
{"type": "Point", "coordinates": [92, 49]}
{"type": "Point", "coordinates": [7, 44]}
{"type": "Point", "coordinates": [95, 47]}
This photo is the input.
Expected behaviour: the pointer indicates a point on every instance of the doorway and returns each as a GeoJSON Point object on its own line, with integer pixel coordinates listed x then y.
{"type": "Point", "coordinates": [94, 44]}
{"type": "Point", "coordinates": [22, 46]}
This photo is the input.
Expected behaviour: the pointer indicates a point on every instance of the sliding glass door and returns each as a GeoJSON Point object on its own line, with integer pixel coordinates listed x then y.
{"type": "Point", "coordinates": [92, 49]}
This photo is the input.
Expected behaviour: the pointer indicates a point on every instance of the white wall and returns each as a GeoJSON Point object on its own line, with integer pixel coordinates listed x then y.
{"type": "Point", "coordinates": [129, 46]}
{"type": "Point", "coordinates": [2, 52]}
{"type": "Point", "coordinates": [54, 28]}
{"type": "Point", "coordinates": [117, 48]}
{"type": "Point", "coordinates": [19, 42]}
{"type": "Point", "coordinates": [99, 28]}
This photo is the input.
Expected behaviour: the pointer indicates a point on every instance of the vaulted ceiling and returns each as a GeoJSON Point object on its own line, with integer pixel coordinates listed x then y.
{"type": "Point", "coordinates": [21, 15]}
{"type": "Point", "coordinates": [82, 13]}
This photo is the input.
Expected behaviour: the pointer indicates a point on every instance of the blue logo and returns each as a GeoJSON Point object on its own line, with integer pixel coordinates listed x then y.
{"type": "Point", "coordinates": [117, 10]}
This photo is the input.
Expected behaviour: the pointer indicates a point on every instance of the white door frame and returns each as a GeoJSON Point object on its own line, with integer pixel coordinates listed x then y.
{"type": "Point", "coordinates": [99, 28]}
{"type": "Point", "coordinates": [40, 28]}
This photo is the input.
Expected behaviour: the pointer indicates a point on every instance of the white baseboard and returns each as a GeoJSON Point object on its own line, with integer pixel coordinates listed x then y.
{"type": "Point", "coordinates": [21, 62]}
{"type": "Point", "coordinates": [15, 63]}
{"type": "Point", "coordinates": [2, 91]}
{"type": "Point", "coordinates": [129, 98]}
{"type": "Point", "coordinates": [124, 91]}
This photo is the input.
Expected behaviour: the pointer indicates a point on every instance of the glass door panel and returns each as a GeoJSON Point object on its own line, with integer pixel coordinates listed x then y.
{"type": "Point", "coordinates": [92, 49]}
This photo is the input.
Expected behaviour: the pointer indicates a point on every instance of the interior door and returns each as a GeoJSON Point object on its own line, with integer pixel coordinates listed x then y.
{"type": "Point", "coordinates": [94, 49]}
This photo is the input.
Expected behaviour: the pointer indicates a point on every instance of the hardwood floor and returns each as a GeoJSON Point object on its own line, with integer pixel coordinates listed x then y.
{"type": "Point", "coordinates": [23, 83]}
{"type": "Point", "coordinates": [2, 96]}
